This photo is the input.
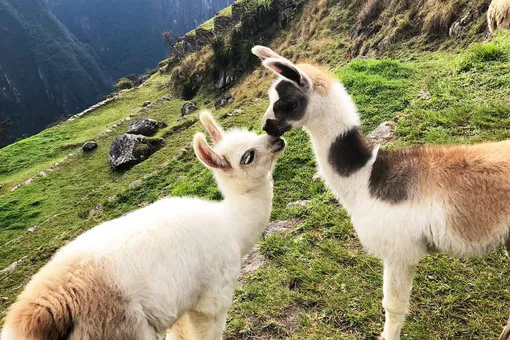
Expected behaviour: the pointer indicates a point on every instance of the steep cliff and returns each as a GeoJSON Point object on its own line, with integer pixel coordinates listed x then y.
{"type": "Point", "coordinates": [127, 34]}
{"type": "Point", "coordinates": [45, 73]}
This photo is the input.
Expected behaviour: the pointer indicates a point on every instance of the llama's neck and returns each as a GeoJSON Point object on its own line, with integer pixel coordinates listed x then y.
{"type": "Point", "coordinates": [340, 148]}
{"type": "Point", "coordinates": [252, 208]}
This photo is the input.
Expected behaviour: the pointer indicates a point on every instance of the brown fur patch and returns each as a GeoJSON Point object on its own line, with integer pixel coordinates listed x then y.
{"type": "Point", "coordinates": [72, 300]}
{"type": "Point", "coordinates": [474, 182]}
{"type": "Point", "coordinates": [322, 80]}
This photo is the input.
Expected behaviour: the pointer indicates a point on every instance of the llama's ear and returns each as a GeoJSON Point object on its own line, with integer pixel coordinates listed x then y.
{"type": "Point", "coordinates": [207, 155]}
{"type": "Point", "coordinates": [264, 52]}
{"type": "Point", "coordinates": [288, 70]}
{"type": "Point", "coordinates": [215, 131]}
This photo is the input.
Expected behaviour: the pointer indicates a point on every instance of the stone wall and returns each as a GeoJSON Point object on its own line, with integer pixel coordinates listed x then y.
{"type": "Point", "coordinates": [199, 38]}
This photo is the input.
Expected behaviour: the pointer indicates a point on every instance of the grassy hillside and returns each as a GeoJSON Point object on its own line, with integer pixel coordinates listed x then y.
{"type": "Point", "coordinates": [318, 282]}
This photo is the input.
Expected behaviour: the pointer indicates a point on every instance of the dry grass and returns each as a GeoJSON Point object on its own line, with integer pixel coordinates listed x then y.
{"type": "Point", "coordinates": [190, 72]}
{"type": "Point", "coordinates": [439, 15]}
{"type": "Point", "coordinates": [371, 10]}
{"type": "Point", "coordinates": [253, 85]}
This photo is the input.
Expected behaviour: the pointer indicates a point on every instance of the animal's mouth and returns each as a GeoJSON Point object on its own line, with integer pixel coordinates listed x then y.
{"type": "Point", "coordinates": [276, 128]}
{"type": "Point", "coordinates": [278, 145]}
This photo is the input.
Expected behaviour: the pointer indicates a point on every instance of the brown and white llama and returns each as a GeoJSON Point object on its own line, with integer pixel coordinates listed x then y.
{"type": "Point", "coordinates": [404, 203]}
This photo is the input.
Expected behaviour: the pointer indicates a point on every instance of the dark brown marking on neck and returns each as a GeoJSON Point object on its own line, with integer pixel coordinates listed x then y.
{"type": "Point", "coordinates": [349, 152]}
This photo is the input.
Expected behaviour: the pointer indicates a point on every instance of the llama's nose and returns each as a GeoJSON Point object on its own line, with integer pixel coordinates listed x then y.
{"type": "Point", "coordinates": [271, 126]}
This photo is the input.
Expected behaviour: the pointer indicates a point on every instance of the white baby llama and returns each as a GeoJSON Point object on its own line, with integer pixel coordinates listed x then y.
{"type": "Point", "coordinates": [133, 277]}
{"type": "Point", "coordinates": [403, 203]}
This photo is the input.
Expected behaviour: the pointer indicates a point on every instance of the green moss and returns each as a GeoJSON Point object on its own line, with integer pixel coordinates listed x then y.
{"type": "Point", "coordinates": [191, 33]}
{"type": "Point", "coordinates": [226, 12]}
{"type": "Point", "coordinates": [208, 25]}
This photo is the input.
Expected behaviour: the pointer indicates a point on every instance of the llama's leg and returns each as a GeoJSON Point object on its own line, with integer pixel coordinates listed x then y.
{"type": "Point", "coordinates": [207, 326]}
{"type": "Point", "coordinates": [507, 246]}
{"type": "Point", "coordinates": [505, 334]}
{"type": "Point", "coordinates": [398, 280]}
{"type": "Point", "coordinates": [180, 330]}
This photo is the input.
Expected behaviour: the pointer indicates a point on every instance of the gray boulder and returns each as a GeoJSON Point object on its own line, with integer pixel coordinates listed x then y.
{"type": "Point", "coordinates": [225, 100]}
{"type": "Point", "coordinates": [187, 108]}
{"type": "Point", "coordinates": [383, 134]}
{"type": "Point", "coordinates": [143, 126]}
{"type": "Point", "coordinates": [89, 146]}
{"type": "Point", "coordinates": [128, 150]}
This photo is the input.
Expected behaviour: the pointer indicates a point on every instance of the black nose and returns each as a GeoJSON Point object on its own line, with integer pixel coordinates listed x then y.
{"type": "Point", "coordinates": [272, 128]}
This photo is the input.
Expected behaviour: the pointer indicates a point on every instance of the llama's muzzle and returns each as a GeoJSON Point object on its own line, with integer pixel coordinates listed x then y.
{"type": "Point", "coordinates": [275, 127]}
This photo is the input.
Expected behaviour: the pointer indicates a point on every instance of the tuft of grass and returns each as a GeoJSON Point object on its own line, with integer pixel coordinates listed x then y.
{"type": "Point", "coordinates": [481, 54]}
{"type": "Point", "coordinates": [439, 15]}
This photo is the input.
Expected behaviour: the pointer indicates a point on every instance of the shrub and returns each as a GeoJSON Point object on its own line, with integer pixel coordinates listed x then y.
{"type": "Point", "coordinates": [481, 54]}
{"type": "Point", "coordinates": [133, 77]}
{"type": "Point", "coordinates": [122, 84]}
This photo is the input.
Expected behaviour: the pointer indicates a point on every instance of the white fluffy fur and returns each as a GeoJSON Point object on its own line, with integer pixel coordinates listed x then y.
{"type": "Point", "coordinates": [183, 255]}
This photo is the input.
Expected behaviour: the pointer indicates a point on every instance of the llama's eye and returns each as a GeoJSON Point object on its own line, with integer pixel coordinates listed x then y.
{"type": "Point", "coordinates": [248, 157]}
{"type": "Point", "coordinates": [286, 106]}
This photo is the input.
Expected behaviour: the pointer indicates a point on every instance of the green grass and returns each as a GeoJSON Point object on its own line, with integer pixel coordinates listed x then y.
{"type": "Point", "coordinates": [226, 12]}
{"type": "Point", "coordinates": [208, 25]}
{"type": "Point", "coordinates": [480, 55]}
{"type": "Point", "coordinates": [319, 283]}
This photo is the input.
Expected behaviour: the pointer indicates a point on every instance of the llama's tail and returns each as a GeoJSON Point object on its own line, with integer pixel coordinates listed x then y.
{"type": "Point", "coordinates": [32, 321]}
{"type": "Point", "coordinates": [180, 330]}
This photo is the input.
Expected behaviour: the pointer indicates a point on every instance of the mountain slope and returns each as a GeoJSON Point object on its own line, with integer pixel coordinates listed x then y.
{"type": "Point", "coordinates": [127, 34]}
{"type": "Point", "coordinates": [316, 281]}
{"type": "Point", "coordinates": [45, 73]}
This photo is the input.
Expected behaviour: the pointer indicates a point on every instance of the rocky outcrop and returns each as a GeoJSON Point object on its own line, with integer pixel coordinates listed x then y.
{"type": "Point", "coordinates": [280, 14]}
{"type": "Point", "coordinates": [286, 10]}
{"type": "Point", "coordinates": [225, 100]}
{"type": "Point", "coordinates": [383, 134]}
{"type": "Point", "coordinates": [143, 126]}
{"type": "Point", "coordinates": [192, 42]}
{"type": "Point", "coordinates": [460, 25]}
{"type": "Point", "coordinates": [128, 150]}
{"type": "Point", "coordinates": [187, 108]}
{"type": "Point", "coordinates": [222, 24]}
{"type": "Point", "coordinates": [89, 146]}
{"type": "Point", "coordinates": [142, 79]}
